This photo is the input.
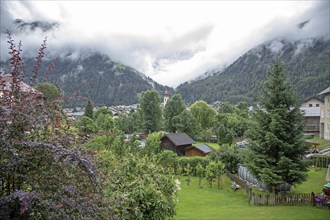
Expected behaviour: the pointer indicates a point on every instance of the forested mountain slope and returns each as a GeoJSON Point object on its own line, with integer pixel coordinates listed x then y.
{"type": "Point", "coordinates": [95, 76]}
{"type": "Point", "coordinates": [307, 65]}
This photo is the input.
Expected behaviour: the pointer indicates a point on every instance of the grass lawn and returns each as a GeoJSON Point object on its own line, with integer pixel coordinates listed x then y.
{"type": "Point", "coordinates": [323, 143]}
{"type": "Point", "coordinates": [211, 203]}
{"type": "Point", "coordinates": [316, 179]}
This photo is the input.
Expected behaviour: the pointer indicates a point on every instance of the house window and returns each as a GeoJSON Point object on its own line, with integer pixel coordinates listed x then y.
{"type": "Point", "coordinates": [310, 105]}
{"type": "Point", "coordinates": [317, 105]}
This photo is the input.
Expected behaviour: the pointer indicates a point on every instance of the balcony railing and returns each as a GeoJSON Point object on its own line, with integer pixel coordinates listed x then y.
{"type": "Point", "coordinates": [312, 128]}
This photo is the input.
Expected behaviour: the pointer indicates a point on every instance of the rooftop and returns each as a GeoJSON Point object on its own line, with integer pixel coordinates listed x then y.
{"type": "Point", "coordinates": [22, 86]}
{"type": "Point", "coordinates": [204, 148]}
{"type": "Point", "coordinates": [325, 91]}
{"type": "Point", "coordinates": [179, 139]}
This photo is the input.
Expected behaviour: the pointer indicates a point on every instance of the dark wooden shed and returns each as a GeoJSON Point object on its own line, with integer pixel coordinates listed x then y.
{"type": "Point", "coordinates": [176, 142]}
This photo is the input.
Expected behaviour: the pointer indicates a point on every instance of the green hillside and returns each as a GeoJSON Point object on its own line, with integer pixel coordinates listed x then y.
{"type": "Point", "coordinates": [307, 66]}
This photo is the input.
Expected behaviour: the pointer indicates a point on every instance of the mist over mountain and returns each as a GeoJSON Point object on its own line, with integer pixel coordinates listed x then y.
{"type": "Point", "coordinates": [32, 26]}
{"type": "Point", "coordinates": [93, 75]}
{"type": "Point", "coordinates": [169, 49]}
{"type": "Point", "coordinates": [306, 62]}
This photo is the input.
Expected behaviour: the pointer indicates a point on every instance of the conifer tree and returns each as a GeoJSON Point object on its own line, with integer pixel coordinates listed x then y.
{"type": "Point", "coordinates": [277, 145]}
{"type": "Point", "coordinates": [89, 109]}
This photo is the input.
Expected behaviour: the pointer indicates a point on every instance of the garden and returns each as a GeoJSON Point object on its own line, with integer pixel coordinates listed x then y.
{"type": "Point", "coordinates": [212, 203]}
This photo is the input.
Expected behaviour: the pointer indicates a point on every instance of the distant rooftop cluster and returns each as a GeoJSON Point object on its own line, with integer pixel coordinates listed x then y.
{"type": "Point", "coordinates": [76, 112]}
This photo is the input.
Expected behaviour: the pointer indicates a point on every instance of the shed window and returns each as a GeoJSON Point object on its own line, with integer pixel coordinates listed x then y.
{"type": "Point", "coordinates": [317, 105]}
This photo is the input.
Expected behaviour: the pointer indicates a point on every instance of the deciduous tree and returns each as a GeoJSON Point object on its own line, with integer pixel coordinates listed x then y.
{"type": "Point", "coordinates": [50, 91]}
{"type": "Point", "coordinates": [87, 125]}
{"type": "Point", "coordinates": [100, 111]}
{"type": "Point", "coordinates": [211, 172]}
{"type": "Point", "coordinates": [204, 114]}
{"type": "Point", "coordinates": [185, 122]}
{"type": "Point", "coordinates": [173, 108]}
{"type": "Point", "coordinates": [200, 173]}
{"type": "Point", "coordinates": [226, 133]}
{"type": "Point", "coordinates": [140, 187]}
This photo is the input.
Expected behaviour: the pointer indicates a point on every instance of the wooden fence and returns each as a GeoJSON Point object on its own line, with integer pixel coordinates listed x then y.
{"type": "Point", "coordinates": [240, 182]}
{"type": "Point", "coordinates": [281, 199]}
{"type": "Point", "coordinates": [273, 199]}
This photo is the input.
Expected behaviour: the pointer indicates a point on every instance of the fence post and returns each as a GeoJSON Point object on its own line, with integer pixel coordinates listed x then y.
{"type": "Point", "coordinates": [313, 198]}
{"type": "Point", "coordinates": [250, 195]}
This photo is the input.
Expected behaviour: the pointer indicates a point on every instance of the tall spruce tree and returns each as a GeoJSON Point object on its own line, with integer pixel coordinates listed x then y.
{"type": "Point", "coordinates": [89, 109]}
{"type": "Point", "coordinates": [277, 147]}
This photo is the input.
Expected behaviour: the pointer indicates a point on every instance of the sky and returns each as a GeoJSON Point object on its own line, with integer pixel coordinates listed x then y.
{"type": "Point", "coordinates": [170, 41]}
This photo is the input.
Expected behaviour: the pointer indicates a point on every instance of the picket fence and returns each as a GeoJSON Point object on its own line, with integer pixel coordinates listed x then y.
{"type": "Point", "coordinates": [273, 199]}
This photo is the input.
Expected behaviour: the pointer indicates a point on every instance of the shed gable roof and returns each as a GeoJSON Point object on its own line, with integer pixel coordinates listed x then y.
{"type": "Point", "coordinates": [204, 148]}
{"type": "Point", "coordinates": [179, 139]}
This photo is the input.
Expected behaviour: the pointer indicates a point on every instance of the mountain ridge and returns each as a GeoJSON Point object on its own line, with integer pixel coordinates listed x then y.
{"type": "Point", "coordinates": [306, 62]}
{"type": "Point", "coordinates": [95, 76]}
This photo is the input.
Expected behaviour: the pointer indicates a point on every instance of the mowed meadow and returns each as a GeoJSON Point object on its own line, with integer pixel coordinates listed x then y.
{"type": "Point", "coordinates": [212, 203]}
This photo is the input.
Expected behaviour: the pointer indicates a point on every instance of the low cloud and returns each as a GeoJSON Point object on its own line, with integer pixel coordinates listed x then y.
{"type": "Point", "coordinates": [170, 57]}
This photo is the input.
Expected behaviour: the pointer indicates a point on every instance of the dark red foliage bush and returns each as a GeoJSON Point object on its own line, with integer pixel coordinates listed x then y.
{"type": "Point", "coordinates": [43, 174]}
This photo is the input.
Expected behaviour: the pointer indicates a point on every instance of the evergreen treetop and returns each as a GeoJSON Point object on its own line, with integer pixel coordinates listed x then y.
{"type": "Point", "coordinates": [89, 109]}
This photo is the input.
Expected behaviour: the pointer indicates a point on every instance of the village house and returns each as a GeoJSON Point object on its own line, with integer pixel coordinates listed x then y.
{"type": "Point", "coordinates": [325, 115]}
{"type": "Point", "coordinates": [29, 93]}
{"type": "Point", "coordinates": [201, 150]}
{"type": "Point", "coordinates": [312, 112]}
{"type": "Point", "coordinates": [177, 142]}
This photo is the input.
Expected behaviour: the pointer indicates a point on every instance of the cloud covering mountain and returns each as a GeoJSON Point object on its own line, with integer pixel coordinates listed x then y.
{"type": "Point", "coordinates": [172, 42]}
